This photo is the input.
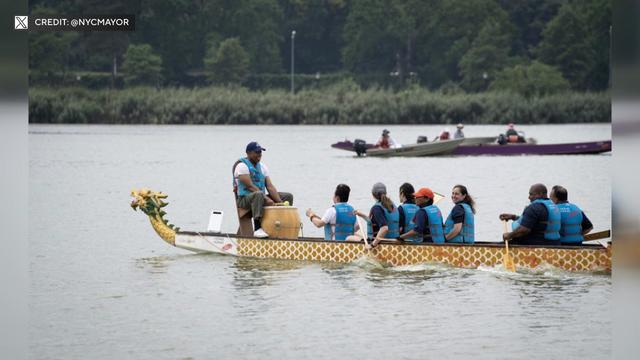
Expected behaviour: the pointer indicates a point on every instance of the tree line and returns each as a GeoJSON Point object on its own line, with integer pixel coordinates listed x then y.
{"type": "Point", "coordinates": [532, 47]}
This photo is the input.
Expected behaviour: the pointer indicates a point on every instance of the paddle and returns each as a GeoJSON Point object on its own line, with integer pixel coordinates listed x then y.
{"type": "Point", "coordinates": [363, 232]}
{"type": "Point", "coordinates": [599, 237]}
{"type": "Point", "coordinates": [507, 260]}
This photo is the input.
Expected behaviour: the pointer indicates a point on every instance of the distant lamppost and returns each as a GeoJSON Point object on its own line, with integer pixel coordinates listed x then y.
{"type": "Point", "coordinates": [293, 43]}
{"type": "Point", "coordinates": [485, 76]}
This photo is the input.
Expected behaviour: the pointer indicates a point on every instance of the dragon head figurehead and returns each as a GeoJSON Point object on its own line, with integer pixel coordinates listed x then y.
{"type": "Point", "coordinates": [151, 203]}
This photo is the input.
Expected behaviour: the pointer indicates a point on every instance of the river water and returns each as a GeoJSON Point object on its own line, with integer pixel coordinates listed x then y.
{"type": "Point", "coordinates": [104, 286]}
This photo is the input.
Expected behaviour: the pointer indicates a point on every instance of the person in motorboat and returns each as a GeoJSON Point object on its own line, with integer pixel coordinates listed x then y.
{"type": "Point", "coordinates": [383, 218]}
{"type": "Point", "coordinates": [428, 219]}
{"type": "Point", "coordinates": [253, 187]}
{"type": "Point", "coordinates": [539, 223]}
{"type": "Point", "coordinates": [339, 220]}
{"type": "Point", "coordinates": [459, 226]}
{"type": "Point", "coordinates": [407, 211]}
{"type": "Point", "coordinates": [459, 134]}
{"type": "Point", "coordinates": [386, 141]}
{"type": "Point", "coordinates": [574, 224]}
{"type": "Point", "coordinates": [444, 135]}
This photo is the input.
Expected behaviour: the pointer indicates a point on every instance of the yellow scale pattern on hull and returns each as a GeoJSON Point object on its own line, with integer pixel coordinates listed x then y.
{"type": "Point", "coordinates": [459, 256]}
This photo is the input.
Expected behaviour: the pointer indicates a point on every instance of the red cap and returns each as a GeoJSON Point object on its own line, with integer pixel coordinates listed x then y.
{"type": "Point", "coordinates": [424, 192]}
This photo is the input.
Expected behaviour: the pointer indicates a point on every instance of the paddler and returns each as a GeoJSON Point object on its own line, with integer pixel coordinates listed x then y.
{"type": "Point", "coordinates": [407, 211]}
{"type": "Point", "coordinates": [574, 224]}
{"type": "Point", "coordinates": [253, 187]}
{"type": "Point", "coordinates": [383, 219]}
{"type": "Point", "coordinates": [339, 220]}
{"type": "Point", "coordinates": [539, 223]}
{"type": "Point", "coordinates": [459, 226]}
{"type": "Point", "coordinates": [428, 219]}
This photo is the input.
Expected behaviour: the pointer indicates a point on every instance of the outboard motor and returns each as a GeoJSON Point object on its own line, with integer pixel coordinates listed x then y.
{"type": "Point", "coordinates": [502, 139]}
{"type": "Point", "coordinates": [422, 139]}
{"type": "Point", "coordinates": [360, 146]}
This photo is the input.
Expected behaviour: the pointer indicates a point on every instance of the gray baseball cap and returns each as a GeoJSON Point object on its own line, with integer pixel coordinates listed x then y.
{"type": "Point", "coordinates": [379, 188]}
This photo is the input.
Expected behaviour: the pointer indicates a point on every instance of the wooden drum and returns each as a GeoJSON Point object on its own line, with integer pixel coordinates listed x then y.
{"type": "Point", "coordinates": [281, 222]}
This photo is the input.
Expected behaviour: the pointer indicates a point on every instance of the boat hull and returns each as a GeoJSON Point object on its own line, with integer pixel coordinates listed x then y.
{"type": "Point", "coordinates": [422, 149]}
{"type": "Point", "coordinates": [587, 258]}
{"type": "Point", "coordinates": [594, 147]}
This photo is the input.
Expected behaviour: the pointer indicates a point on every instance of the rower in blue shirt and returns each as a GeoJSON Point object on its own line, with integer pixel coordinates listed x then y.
{"type": "Point", "coordinates": [339, 221]}
{"type": "Point", "coordinates": [539, 223]}
{"type": "Point", "coordinates": [407, 211]}
{"type": "Point", "coordinates": [459, 226]}
{"type": "Point", "coordinates": [574, 224]}
{"type": "Point", "coordinates": [383, 218]}
{"type": "Point", "coordinates": [428, 220]}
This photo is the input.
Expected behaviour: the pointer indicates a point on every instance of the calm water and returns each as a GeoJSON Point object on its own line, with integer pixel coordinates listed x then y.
{"type": "Point", "coordinates": [104, 286]}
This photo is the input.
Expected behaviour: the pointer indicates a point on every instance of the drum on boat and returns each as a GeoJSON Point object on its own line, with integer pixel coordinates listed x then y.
{"type": "Point", "coordinates": [281, 222]}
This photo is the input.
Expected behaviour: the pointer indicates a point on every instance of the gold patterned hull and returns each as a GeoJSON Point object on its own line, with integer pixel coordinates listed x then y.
{"type": "Point", "coordinates": [587, 258]}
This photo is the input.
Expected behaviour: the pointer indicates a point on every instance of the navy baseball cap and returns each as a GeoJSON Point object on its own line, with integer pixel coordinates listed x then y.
{"type": "Point", "coordinates": [254, 146]}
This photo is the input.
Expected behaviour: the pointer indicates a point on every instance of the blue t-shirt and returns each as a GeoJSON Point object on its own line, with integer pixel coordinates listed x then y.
{"type": "Point", "coordinates": [378, 219]}
{"type": "Point", "coordinates": [534, 217]}
{"type": "Point", "coordinates": [422, 225]}
{"type": "Point", "coordinates": [457, 214]}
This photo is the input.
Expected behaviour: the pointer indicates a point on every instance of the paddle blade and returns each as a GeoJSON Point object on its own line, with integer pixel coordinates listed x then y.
{"type": "Point", "coordinates": [437, 197]}
{"type": "Point", "coordinates": [507, 260]}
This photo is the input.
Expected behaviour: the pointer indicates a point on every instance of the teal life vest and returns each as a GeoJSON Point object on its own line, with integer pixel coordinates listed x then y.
{"type": "Point", "coordinates": [345, 218]}
{"type": "Point", "coordinates": [257, 178]}
{"type": "Point", "coordinates": [410, 211]}
{"type": "Point", "coordinates": [393, 220]}
{"type": "Point", "coordinates": [552, 231]}
{"type": "Point", "coordinates": [571, 224]}
{"type": "Point", "coordinates": [435, 223]}
{"type": "Point", "coordinates": [467, 233]}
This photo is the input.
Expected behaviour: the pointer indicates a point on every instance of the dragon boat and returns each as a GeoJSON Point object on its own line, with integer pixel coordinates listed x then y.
{"type": "Point", "coordinates": [583, 258]}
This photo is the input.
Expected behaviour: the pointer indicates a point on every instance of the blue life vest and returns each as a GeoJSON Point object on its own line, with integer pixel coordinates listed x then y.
{"type": "Point", "coordinates": [435, 223]}
{"type": "Point", "coordinates": [552, 231]}
{"type": "Point", "coordinates": [466, 234]}
{"type": "Point", "coordinates": [257, 178]}
{"type": "Point", "coordinates": [410, 211]}
{"type": "Point", "coordinates": [393, 220]}
{"type": "Point", "coordinates": [571, 224]}
{"type": "Point", "coordinates": [345, 218]}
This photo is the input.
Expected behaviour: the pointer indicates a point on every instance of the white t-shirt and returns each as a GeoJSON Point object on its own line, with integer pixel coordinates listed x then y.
{"type": "Point", "coordinates": [243, 169]}
{"type": "Point", "coordinates": [329, 217]}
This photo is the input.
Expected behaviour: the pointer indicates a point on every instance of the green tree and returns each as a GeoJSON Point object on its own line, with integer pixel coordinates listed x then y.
{"type": "Point", "coordinates": [535, 79]}
{"type": "Point", "coordinates": [49, 53]}
{"type": "Point", "coordinates": [447, 32]}
{"type": "Point", "coordinates": [257, 24]}
{"type": "Point", "coordinates": [488, 54]}
{"type": "Point", "coordinates": [142, 65]}
{"type": "Point", "coordinates": [230, 65]}
{"type": "Point", "coordinates": [319, 34]}
{"type": "Point", "coordinates": [567, 45]}
{"type": "Point", "coordinates": [529, 17]}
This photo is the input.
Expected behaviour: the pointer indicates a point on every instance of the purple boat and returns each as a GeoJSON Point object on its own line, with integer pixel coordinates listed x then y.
{"type": "Point", "coordinates": [591, 147]}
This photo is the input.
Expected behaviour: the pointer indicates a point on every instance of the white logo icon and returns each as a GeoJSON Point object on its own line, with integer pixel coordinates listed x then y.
{"type": "Point", "coordinates": [21, 22]}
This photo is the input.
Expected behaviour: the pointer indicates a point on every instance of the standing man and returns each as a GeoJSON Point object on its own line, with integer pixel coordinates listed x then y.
{"type": "Point", "coordinates": [253, 187]}
{"type": "Point", "coordinates": [459, 134]}
{"type": "Point", "coordinates": [539, 223]}
{"type": "Point", "coordinates": [574, 224]}
{"type": "Point", "coordinates": [339, 221]}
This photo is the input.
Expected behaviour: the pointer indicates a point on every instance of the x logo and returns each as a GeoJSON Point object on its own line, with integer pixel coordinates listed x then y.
{"type": "Point", "coordinates": [21, 23]}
